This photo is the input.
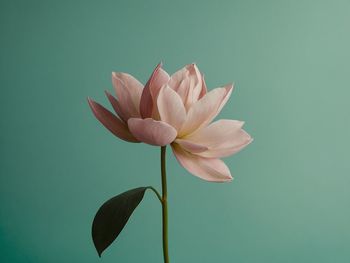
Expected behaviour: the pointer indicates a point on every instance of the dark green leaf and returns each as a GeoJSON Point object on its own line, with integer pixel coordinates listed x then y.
{"type": "Point", "coordinates": [113, 215]}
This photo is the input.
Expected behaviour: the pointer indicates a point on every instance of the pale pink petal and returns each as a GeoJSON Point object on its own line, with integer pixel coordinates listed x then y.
{"type": "Point", "coordinates": [229, 89]}
{"type": "Point", "coordinates": [223, 138]}
{"type": "Point", "coordinates": [132, 84]}
{"type": "Point", "coordinates": [116, 106]}
{"type": "Point", "coordinates": [205, 110]}
{"type": "Point", "coordinates": [196, 78]}
{"type": "Point", "coordinates": [216, 133]}
{"type": "Point", "coordinates": [111, 122]}
{"type": "Point", "coordinates": [190, 146]}
{"type": "Point", "coordinates": [236, 145]}
{"type": "Point", "coordinates": [204, 88]}
{"type": "Point", "coordinates": [209, 169]}
{"type": "Point", "coordinates": [171, 108]}
{"type": "Point", "coordinates": [187, 82]}
{"type": "Point", "coordinates": [220, 139]}
{"type": "Point", "coordinates": [158, 81]}
{"type": "Point", "coordinates": [178, 77]}
{"type": "Point", "coordinates": [183, 89]}
{"type": "Point", "coordinates": [128, 91]}
{"type": "Point", "coordinates": [146, 103]}
{"type": "Point", "coordinates": [150, 93]}
{"type": "Point", "coordinates": [152, 132]}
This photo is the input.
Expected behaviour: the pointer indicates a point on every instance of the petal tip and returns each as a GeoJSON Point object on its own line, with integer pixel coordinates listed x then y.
{"type": "Point", "coordinates": [109, 95]}
{"type": "Point", "coordinates": [229, 86]}
{"type": "Point", "coordinates": [192, 67]}
{"type": "Point", "coordinates": [159, 66]}
{"type": "Point", "coordinates": [229, 179]}
{"type": "Point", "coordinates": [117, 76]}
{"type": "Point", "coordinates": [91, 101]}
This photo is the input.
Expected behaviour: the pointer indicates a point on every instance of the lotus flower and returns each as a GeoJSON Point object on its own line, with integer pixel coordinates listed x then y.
{"type": "Point", "coordinates": [176, 110]}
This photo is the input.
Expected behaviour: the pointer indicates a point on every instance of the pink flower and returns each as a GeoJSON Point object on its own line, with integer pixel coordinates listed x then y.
{"type": "Point", "coordinates": [176, 110]}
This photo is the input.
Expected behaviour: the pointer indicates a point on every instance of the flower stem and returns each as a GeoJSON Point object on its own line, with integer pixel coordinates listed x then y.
{"type": "Point", "coordinates": [164, 205]}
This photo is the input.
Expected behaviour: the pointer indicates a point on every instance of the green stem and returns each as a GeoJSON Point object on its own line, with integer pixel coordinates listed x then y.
{"type": "Point", "coordinates": [164, 205]}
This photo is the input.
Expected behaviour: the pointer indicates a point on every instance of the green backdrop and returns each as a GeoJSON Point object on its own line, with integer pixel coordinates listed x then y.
{"type": "Point", "coordinates": [289, 201]}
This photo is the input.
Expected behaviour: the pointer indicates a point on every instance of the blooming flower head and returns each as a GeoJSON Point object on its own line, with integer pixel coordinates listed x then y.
{"type": "Point", "coordinates": [176, 110]}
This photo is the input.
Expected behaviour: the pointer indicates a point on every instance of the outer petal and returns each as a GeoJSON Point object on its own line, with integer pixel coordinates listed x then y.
{"type": "Point", "coordinates": [152, 132]}
{"type": "Point", "coordinates": [191, 147]}
{"type": "Point", "coordinates": [132, 84]}
{"type": "Point", "coordinates": [217, 132]}
{"type": "Point", "coordinates": [237, 144]}
{"type": "Point", "coordinates": [229, 89]}
{"type": "Point", "coordinates": [208, 169]}
{"type": "Point", "coordinates": [116, 106]}
{"type": "Point", "coordinates": [205, 110]}
{"type": "Point", "coordinates": [111, 122]}
{"type": "Point", "coordinates": [128, 91]}
{"type": "Point", "coordinates": [204, 88]}
{"type": "Point", "coordinates": [171, 108]}
{"type": "Point", "coordinates": [223, 138]}
{"type": "Point", "coordinates": [158, 81]}
{"type": "Point", "coordinates": [150, 93]}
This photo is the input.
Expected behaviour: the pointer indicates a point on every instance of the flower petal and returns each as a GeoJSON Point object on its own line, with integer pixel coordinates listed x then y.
{"type": "Point", "coordinates": [187, 82]}
{"type": "Point", "coordinates": [205, 110]}
{"type": "Point", "coordinates": [152, 132]}
{"type": "Point", "coordinates": [209, 169]}
{"type": "Point", "coordinates": [183, 89]}
{"type": "Point", "coordinates": [171, 108]}
{"type": "Point", "coordinates": [229, 89]}
{"type": "Point", "coordinates": [216, 133]}
{"type": "Point", "coordinates": [149, 95]}
{"type": "Point", "coordinates": [158, 81]}
{"type": "Point", "coordinates": [204, 88]}
{"type": "Point", "coordinates": [235, 145]}
{"type": "Point", "coordinates": [178, 77]}
{"type": "Point", "coordinates": [128, 91]}
{"type": "Point", "coordinates": [116, 106]}
{"type": "Point", "coordinates": [223, 138]}
{"type": "Point", "coordinates": [133, 85]}
{"type": "Point", "coordinates": [190, 146]}
{"type": "Point", "coordinates": [111, 122]}
{"type": "Point", "coordinates": [196, 87]}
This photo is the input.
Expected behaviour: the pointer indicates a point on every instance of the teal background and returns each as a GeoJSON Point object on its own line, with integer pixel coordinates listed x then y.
{"type": "Point", "coordinates": [289, 201]}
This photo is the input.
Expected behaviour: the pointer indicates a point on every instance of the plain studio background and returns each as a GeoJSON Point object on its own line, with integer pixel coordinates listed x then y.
{"type": "Point", "coordinates": [289, 201]}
